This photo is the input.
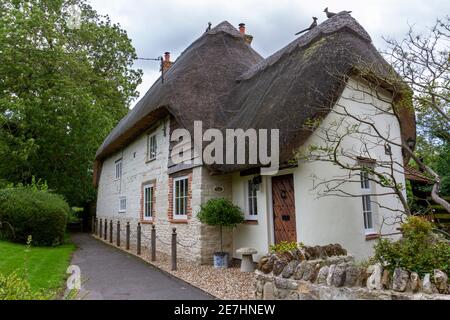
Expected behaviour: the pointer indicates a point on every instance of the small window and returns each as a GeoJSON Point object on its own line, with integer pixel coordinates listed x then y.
{"type": "Point", "coordinates": [148, 201]}
{"type": "Point", "coordinates": [118, 169]}
{"type": "Point", "coordinates": [152, 147]}
{"type": "Point", "coordinates": [252, 203]}
{"type": "Point", "coordinates": [180, 197]}
{"type": "Point", "coordinates": [366, 189]}
{"type": "Point", "coordinates": [122, 204]}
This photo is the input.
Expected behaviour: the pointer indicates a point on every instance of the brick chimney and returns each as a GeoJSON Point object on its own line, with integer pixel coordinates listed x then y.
{"type": "Point", "coordinates": [166, 64]}
{"type": "Point", "coordinates": [247, 38]}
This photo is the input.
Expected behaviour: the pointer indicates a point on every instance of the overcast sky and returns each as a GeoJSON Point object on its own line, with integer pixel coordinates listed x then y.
{"type": "Point", "coordinates": [171, 25]}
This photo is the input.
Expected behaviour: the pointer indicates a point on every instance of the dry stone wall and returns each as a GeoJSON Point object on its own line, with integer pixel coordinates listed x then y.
{"type": "Point", "coordinates": [328, 273]}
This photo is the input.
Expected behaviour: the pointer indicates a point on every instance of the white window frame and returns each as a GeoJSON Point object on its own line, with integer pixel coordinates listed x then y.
{"type": "Point", "coordinates": [151, 154]}
{"type": "Point", "coordinates": [367, 205]}
{"type": "Point", "coordinates": [122, 200]}
{"type": "Point", "coordinates": [185, 197]}
{"type": "Point", "coordinates": [118, 166]}
{"type": "Point", "coordinates": [250, 202]}
{"type": "Point", "coordinates": [148, 204]}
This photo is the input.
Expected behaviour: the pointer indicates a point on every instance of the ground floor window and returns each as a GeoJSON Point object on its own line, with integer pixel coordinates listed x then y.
{"type": "Point", "coordinates": [148, 201]}
{"type": "Point", "coordinates": [122, 204]}
{"type": "Point", "coordinates": [180, 197]}
{"type": "Point", "coordinates": [366, 190]}
{"type": "Point", "coordinates": [252, 203]}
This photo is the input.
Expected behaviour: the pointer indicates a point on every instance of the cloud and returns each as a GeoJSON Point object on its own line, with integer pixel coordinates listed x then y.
{"type": "Point", "coordinates": [171, 25]}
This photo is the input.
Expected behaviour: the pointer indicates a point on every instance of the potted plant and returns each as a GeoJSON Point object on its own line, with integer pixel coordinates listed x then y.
{"type": "Point", "coordinates": [222, 213]}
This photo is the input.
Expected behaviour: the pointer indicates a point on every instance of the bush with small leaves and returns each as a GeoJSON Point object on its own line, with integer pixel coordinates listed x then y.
{"type": "Point", "coordinates": [283, 246]}
{"type": "Point", "coordinates": [13, 287]}
{"type": "Point", "coordinates": [419, 250]}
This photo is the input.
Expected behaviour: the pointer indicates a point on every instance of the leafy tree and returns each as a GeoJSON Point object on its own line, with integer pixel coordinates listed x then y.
{"type": "Point", "coordinates": [423, 62]}
{"type": "Point", "coordinates": [61, 91]}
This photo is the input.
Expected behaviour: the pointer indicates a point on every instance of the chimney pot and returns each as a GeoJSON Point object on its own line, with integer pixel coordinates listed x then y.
{"type": "Point", "coordinates": [242, 28]}
{"type": "Point", "coordinates": [166, 56]}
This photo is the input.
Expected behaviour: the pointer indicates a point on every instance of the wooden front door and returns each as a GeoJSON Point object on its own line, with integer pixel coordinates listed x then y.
{"type": "Point", "coordinates": [284, 208]}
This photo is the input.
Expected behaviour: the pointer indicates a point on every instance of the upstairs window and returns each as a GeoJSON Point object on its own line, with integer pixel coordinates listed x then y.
{"type": "Point", "coordinates": [118, 167]}
{"type": "Point", "coordinates": [152, 147]}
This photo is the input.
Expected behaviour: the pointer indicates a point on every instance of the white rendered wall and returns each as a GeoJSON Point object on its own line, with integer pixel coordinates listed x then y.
{"type": "Point", "coordinates": [328, 219]}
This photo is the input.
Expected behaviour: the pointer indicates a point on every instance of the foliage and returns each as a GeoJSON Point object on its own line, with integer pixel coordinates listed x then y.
{"type": "Point", "coordinates": [61, 92]}
{"type": "Point", "coordinates": [75, 215]}
{"type": "Point", "coordinates": [422, 61]}
{"type": "Point", "coordinates": [43, 268]}
{"type": "Point", "coordinates": [13, 287]}
{"type": "Point", "coordinates": [419, 250]}
{"type": "Point", "coordinates": [220, 212]}
{"type": "Point", "coordinates": [35, 213]}
{"type": "Point", "coordinates": [283, 246]}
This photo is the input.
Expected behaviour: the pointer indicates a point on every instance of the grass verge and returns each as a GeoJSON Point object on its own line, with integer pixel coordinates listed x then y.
{"type": "Point", "coordinates": [44, 267]}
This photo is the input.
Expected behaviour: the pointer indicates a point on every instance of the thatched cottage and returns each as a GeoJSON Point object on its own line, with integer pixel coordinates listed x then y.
{"type": "Point", "coordinates": [223, 82]}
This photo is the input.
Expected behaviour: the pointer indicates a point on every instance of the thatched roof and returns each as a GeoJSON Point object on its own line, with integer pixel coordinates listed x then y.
{"type": "Point", "coordinates": [194, 87]}
{"type": "Point", "coordinates": [223, 82]}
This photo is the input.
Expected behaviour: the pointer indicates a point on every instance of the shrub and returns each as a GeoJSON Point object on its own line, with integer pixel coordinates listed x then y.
{"type": "Point", "coordinates": [220, 212]}
{"type": "Point", "coordinates": [13, 287]}
{"type": "Point", "coordinates": [419, 250]}
{"type": "Point", "coordinates": [34, 212]}
{"type": "Point", "coordinates": [283, 246]}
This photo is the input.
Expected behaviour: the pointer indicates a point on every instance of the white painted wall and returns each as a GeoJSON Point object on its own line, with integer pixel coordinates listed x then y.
{"type": "Point", "coordinates": [329, 219]}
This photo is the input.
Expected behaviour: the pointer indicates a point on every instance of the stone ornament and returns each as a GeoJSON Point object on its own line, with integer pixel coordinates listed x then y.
{"type": "Point", "coordinates": [247, 259]}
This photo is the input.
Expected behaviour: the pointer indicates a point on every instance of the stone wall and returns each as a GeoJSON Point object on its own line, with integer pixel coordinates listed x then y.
{"type": "Point", "coordinates": [328, 273]}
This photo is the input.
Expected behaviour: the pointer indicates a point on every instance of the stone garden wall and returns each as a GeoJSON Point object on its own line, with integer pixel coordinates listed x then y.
{"type": "Point", "coordinates": [328, 273]}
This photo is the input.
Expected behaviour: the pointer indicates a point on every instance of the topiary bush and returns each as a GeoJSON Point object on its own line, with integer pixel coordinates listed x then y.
{"type": "Point", "coordinates": [220, 212]}
{"type": "Point", "coordinates": [419, 250]}
{"type": "Point", "coordinates": [32, 212]}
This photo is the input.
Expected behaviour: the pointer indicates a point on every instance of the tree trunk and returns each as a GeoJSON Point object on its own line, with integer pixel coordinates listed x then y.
{"type": "Point", "coordinates": [437, 180]}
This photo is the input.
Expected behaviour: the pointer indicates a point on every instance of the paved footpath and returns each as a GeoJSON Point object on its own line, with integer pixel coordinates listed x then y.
{"type": "Point", "coordinates": [111, 274]}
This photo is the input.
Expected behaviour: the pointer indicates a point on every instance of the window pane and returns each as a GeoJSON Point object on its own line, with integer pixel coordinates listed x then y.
{"type": "Point", "coordinates": [369, 220]}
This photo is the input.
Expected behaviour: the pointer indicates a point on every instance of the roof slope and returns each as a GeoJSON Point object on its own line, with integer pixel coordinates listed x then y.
{"type": "Point", "coordinates": [194, 87]}
{"type": "Point", "coordinates": [302, 82]}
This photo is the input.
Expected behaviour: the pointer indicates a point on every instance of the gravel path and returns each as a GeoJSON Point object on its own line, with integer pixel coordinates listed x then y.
{"type": "Point", "coordinates": [227, 284]}
{"type": "Point", "coordinates": [111, 274]}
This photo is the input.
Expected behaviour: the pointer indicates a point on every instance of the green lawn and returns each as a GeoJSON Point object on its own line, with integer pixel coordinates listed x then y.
{"type": "Point", "coordinates": [46, 265]}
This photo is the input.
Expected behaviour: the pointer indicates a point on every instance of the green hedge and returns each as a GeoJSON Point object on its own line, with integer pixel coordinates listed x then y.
{"type": "Point", "coordinates": [38, 213]}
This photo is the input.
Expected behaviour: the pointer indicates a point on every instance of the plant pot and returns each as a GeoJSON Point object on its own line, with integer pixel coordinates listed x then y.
{"type": "Point", "coordinates": [220, 260]}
